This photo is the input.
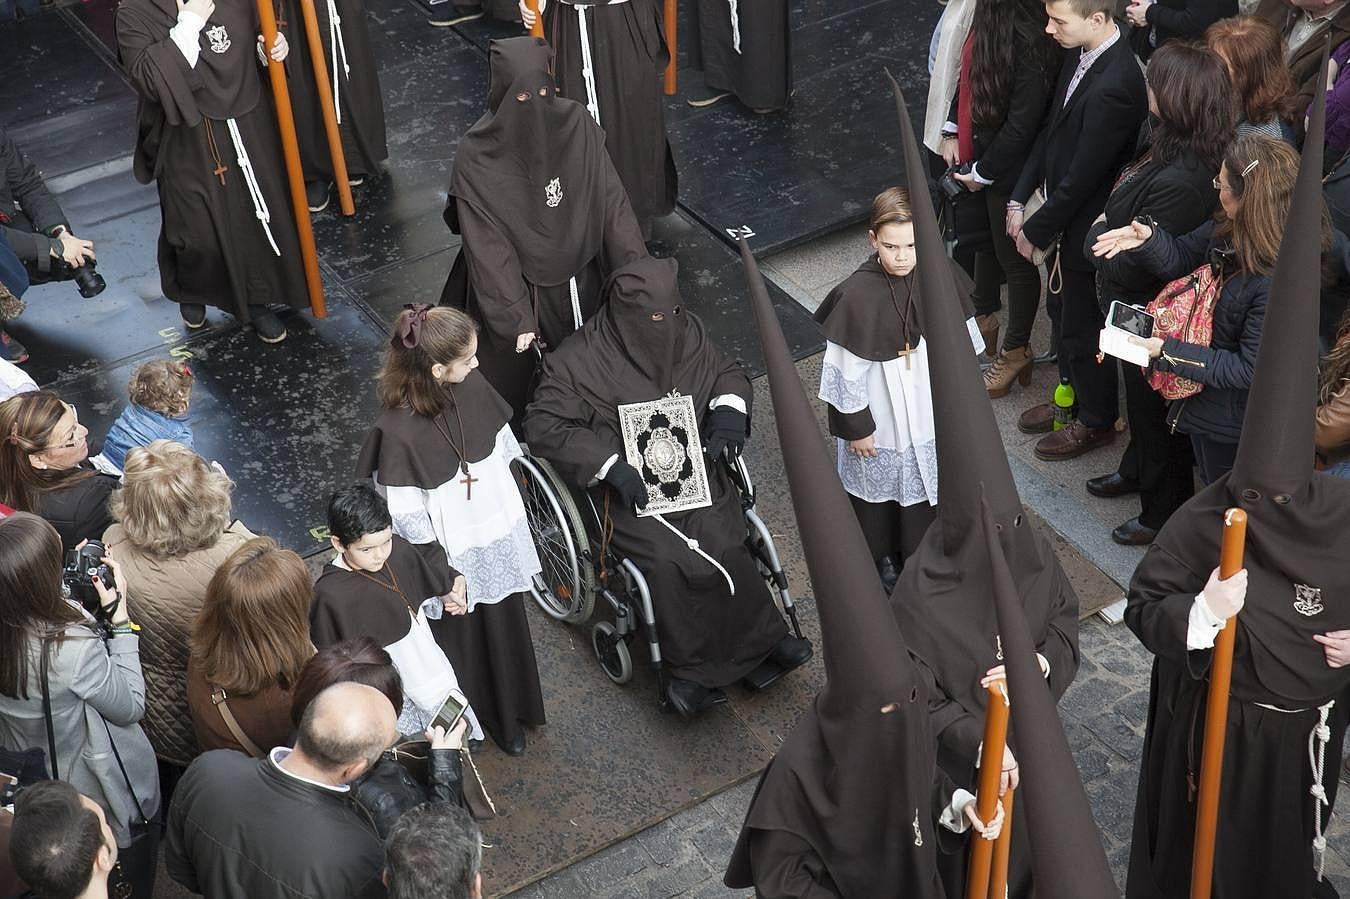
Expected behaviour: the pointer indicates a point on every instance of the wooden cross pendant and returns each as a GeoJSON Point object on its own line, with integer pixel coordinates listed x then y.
{"type": "Point", "coordinates": [905, 354]}
{"type": "Point", "coordinates": [219, 172]}
{"type": "Point", "coordinates": [468, 481]}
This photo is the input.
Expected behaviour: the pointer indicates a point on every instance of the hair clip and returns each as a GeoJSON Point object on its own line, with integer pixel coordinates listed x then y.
{"type": "Point", "coordinates": [13, 436]}
{"type": "Point", "coordinates": [1251, 165]}
{"type": "Point", "coordinates": [410, 325]}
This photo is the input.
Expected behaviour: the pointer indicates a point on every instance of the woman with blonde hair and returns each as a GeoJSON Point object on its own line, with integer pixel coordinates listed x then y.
{"type": "Point", "coordinates": [175, 526]}
{"type": "Point", "coordinates": [1242, 242]}
{"type": "Point", "coordinates": [248, 644]}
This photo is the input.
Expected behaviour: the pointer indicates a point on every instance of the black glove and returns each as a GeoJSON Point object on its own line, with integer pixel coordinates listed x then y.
{"type": "Point", "coordinates": [724, 429]}
{"type": "Point", "coordinates": [628, 483]}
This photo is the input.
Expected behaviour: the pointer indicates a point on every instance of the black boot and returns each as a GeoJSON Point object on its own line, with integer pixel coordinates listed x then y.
{"type": "Point", "coordinates": [688, 698]}
{"type": "Point", "coordinates": [888, 572]}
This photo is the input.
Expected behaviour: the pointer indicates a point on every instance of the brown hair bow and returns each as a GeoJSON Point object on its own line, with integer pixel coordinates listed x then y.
{"type": "Point", "coordinates": [409, 330]}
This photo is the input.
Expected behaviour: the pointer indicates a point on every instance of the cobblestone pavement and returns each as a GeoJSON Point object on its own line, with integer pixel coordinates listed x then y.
{"type": "Point", "coordinates": [1103, 712]}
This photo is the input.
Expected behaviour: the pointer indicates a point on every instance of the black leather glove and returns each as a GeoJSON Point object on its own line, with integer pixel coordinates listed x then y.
{"type": "Point", "coordinates": [627, 482]}
{"type": "Point", "coordinates": [725, 428]}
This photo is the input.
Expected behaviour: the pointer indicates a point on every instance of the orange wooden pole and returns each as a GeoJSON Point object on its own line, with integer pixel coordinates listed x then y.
{"type": "Point", "coordinates": [998, 877]}
{"type": "Point", "coordinates": [286, 125]}
{"type": "Point", "coordinates": [330, 122]}
{"type": "Point", "coordinates": [670, 45]}
{"type": "Point", "coordinates": [537, 29]}
{"type": "Point", "coordinates": [986, 795]}
{"type": "Point", "coordinates": [1216, 717]}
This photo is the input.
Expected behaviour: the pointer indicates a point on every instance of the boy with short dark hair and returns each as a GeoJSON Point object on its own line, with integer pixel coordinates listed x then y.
{"type": "Point", "coordinates": [60, 844]}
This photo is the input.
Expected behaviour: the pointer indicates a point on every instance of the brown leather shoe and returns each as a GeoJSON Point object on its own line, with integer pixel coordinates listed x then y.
{"type": "Point", "coordinates": [1038, 419]}
{"type": "Point", "coordinates": [1011, 365]}
{"type": "Point", "coordinates": [988, 325]}
{"type": "Point", "coordinates": [1071, 441]}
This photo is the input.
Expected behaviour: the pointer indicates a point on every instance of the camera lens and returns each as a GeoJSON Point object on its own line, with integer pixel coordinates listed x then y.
{"type": "Point", "coordinates": [89, 282]}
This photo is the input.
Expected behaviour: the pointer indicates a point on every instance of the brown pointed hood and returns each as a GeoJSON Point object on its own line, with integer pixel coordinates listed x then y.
{"type": "Point", "coordinates": [1275, 453]}
{"type": "Point", "coordinates": [854, 779]}
{"type": "Point", "coordinates": [1067, 858]}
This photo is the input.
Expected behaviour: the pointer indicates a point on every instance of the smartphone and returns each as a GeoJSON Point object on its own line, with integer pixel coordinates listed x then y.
{"type": "Point", "coordinates": [1131, 319]}
{"type": "Point", "coordinates": [455, 705]}
{"type": "Point", "coordinates": [9, 786]}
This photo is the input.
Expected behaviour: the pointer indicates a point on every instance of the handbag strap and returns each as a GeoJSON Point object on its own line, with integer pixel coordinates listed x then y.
{"type": "Point", "coordinates": [220, 698]}
{"type": "Point", "coordinates": [47, 707]}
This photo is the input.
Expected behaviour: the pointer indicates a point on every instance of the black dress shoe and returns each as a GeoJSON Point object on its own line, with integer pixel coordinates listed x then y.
{"type": "Point", "coordinates": [515, 747]}
{"type": "Point", "coordinates": [791, 652]}
{"type": "Point", "coordinates": [1110, 486]}
{"type": "Point", "coordinates": [888, 572]}
{"type": "Point", "coordinates": [1132, 533]}
{"type": "Point", "coordinates": [688, 698]}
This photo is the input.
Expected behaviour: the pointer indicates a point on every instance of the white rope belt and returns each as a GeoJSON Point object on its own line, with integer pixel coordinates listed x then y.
{"type": "Point", "coordinates": [587, 65]}
{"type": "Point", "coordinates": [693, 544]}
{"type": "Point", "coordinates": [1317, 758]}
{"type": "Point", "coordinates": [251, 179]}
{"type": "Point", "coordinates": [338, 50]}
{"type": "Point", "coordinates": [735, 25]}
{"type": "Point", "coordinates": [576, 303]}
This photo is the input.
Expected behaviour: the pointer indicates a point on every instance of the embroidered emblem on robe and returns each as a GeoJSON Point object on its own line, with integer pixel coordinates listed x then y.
{"type": "Point", "coordinates": [219, 38]}
{"type": "Point", "coordinates": [1307, 600]}
{"type": "Point", "coordinates": [553, 193]}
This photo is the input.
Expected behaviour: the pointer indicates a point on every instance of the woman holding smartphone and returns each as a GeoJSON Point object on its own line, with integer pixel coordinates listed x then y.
{"type": "Point", "coordinates": [1171, 184]}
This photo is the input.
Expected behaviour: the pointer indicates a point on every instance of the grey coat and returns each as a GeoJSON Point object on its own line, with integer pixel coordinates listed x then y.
{"type": "Point", "coordinates": [91, 684]}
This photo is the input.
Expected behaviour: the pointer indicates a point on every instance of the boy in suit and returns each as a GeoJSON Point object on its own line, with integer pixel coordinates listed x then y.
{"type": "Point", "coordinates": [1091, 132]}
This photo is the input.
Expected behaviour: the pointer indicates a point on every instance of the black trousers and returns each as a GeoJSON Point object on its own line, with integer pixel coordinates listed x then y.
{"type": "Point", "coordinates": [1213, 457]}
{"type": "Point", "coordinates": [1001, 262]}
{"type": "Point", "coordinates": [1157, 459]}
{"type": "Point", "coordinates": [892, 529]}
{"type": "Point", "coordinates": [1074, 311]}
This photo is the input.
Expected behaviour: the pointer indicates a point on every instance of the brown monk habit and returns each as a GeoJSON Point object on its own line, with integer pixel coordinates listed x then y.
{"type": "Point", "coordinates": [942, 601]}
{"type": "Point", "coordinates": [543, 215]}
{"type": "Point", "coordinates": [212, 248]}
{"type": "Point", "coordinates": [708, 636]}
{"type": "Point", "coordinates": [1298, 540]}
{"type": "Point", "coordinates": [359, 104]}
{"type": "Point", "coordinates": [745, 48]}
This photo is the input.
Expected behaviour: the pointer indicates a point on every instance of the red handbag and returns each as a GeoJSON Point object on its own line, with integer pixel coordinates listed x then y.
{"type": "Point", "coordinates": [1184, 309]}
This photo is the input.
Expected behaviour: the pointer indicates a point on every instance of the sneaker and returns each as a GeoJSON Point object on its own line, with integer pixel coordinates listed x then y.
{"type": "Point", "coordinates": [11, 350]}
{"type": "Point", "coordinates": [450, 14]}
{"type": "Point", "coordinates": [316, 195]}
{"type": "Point", "coordinates": [356, 180]}
{"type": "Point", "coordinates": [701, 102]}
{"type": "Point", "coordinates": [265, 322]}
{"type": "Point", "coordinates": [194, 315]}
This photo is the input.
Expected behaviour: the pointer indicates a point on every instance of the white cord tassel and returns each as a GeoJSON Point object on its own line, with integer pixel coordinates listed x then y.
{"type": "Point", "coordinates": [735, 25]}
{"type": "Point", "coordinates": [587, 65]}
{"type": "Point", "coordinates": [1317, 758]}
{"type": "Point", "coordinates": [576, 304]}
{"type": "Point", "coordinates": [693, 544]}
{"type": "Point", "coordinates": [251, 179]}
{"type": "Point", "coordinates": [338, 50]}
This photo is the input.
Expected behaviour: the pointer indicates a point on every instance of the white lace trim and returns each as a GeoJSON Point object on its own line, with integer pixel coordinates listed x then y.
{"type": "Point", "coordinates": [905, 476]}
{"type": "Point", "coordinates": [845, 394]}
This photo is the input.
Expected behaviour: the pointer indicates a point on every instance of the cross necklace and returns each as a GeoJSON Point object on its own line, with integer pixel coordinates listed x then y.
{"type": "Point", "coordinates": [904, 316]}
{"type": "Point", "coordinates": [468, 480]}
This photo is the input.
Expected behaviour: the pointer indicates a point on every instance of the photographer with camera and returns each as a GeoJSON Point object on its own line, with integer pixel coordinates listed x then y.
{"type": "Point", "coordinates": [36, 229]}
{"type": "Point", "coordinates": [44, 452]}
{"type": "Point", "coordinates": [71, 683]}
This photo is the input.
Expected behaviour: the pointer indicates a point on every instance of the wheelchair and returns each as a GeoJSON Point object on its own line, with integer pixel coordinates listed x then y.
{"type": "Point", "coordinates": [581, 567]}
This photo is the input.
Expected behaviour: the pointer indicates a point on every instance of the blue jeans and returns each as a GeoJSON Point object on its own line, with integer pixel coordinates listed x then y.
{"type": "Point", "coordinates": [1339, 470]}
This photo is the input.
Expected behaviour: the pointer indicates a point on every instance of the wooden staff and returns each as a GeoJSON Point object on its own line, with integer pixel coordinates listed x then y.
{"type": "Point", "coordinates": [330, 122]}
{"type": "Point", "coordinates": [670, 45]}
{"type": "Point", "coordinates": [998, 877]}
{"type": "Point", "coordinates": [986, 796]}
{"type": "Point", "coordinates": [286, 125]}
{"type": "Point", "coordinates": [1216, 716]}
{"type": "Point", "coordinates": [537, 29]}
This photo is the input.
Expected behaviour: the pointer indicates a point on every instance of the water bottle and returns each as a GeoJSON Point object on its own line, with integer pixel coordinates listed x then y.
{"type": "Point", "coordinates": [1064, 403]}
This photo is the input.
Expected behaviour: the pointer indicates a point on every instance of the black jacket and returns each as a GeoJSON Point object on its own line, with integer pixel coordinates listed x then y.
{"type": "Point", "coordinates": [80, 511]}
{"type": "Point", "coordinates": [1178, 19]}
{"type": "Point", "coordinates": [1225, 366]}
{"type": "Point", "coordinates": [242, 827]}
{"type": "Point", "coordinates": [1081, 148]}
{"type": "Point", "coordinates": [1179, 196]}
{"type": "Point", "coordinates": [26, 206]}
{"type": "Point", "coordinates": [1001, 150]}
{"type": "Point", "coordinates": [387, 790]}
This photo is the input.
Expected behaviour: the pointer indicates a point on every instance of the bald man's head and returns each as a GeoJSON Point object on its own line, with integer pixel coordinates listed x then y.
{"type": "Point", "coordinates": [344, 725]}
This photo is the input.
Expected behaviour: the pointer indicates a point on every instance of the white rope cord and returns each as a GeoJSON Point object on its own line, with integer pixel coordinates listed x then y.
{"type": "Point", "coordinates": [735, 25]}
{"type": "Point", "coordinates": [337, 49]}
{"type": "Point", "coordinates": [251, 179]}
{"type": "Point", "coordinates": [576, 303]}
{"type": "Point", "coordinates": [693, 544]}
{"type": "Point", "coordinates": [587, 65]}
{"type": "Point", "coordinates": [1317, 758]}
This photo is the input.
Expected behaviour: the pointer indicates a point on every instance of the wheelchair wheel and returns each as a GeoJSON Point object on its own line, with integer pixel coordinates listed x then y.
{"type": "Point", "coordinates": [565, 589]}
{"type": "Point", "coordinates": [611, 650]}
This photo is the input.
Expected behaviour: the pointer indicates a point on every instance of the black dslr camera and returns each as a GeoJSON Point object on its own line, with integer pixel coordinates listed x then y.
{"type": "Point", "coordinates": [950, 187]}
{"type": "Point", "coordinates": [82, 565]}
{"type": "Point", "coordinates": [89, 281]}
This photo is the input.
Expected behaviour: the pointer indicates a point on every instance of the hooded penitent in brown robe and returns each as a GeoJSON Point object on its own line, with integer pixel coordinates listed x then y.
{"type": "Point", "coordinates": [942, 600]}
{"type": "Point", "coordinates": [353, 81]}
{"type": "Point", "coordinates": [192, 120]}
{"type": "Point", "coordinates": [744, 47]}
{"type": "Point", "coordinates": [847, 806]}
{"type": "Point", "coordinates": [543, 216]}
{"type": "Point", "coordinates": [624, 47]}
{"type": "Point", "coordinates": [709, 637]}
{"type": "Point", "coordinates": [1298, 542]}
